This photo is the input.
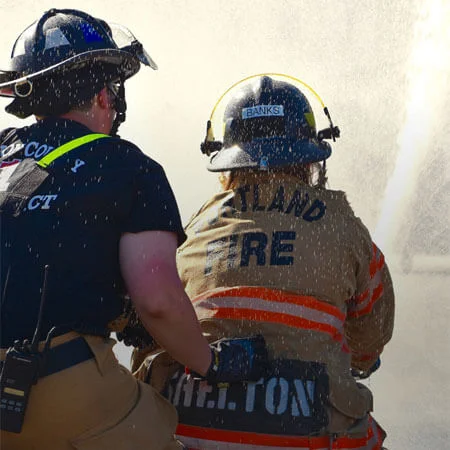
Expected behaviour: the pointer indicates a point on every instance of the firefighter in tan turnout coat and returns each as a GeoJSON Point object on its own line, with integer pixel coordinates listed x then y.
{"type": "Point", "coordinates": [276, 253]}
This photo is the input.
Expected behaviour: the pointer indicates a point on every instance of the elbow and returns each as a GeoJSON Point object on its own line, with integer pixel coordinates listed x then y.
{"type": "Point", "coordinates": [158, 293]}
{"type": "Point", "coordinates": [155, 307]}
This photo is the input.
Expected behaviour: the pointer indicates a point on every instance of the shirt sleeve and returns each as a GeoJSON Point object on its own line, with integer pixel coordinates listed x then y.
{"type": "Point", "coordinates": [370, 312]}
{"type": "Point", "coordinates": [154, 206]}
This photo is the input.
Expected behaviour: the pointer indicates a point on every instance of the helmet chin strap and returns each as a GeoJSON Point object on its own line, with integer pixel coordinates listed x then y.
{"type": "Point", "coordinates": [120, 105]}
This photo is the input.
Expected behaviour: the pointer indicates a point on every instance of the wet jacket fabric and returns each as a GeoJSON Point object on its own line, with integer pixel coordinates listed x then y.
{"type": "Point", "coordinates": [70, 216]}
{"type": "Point", "coordinates": [296, 265]}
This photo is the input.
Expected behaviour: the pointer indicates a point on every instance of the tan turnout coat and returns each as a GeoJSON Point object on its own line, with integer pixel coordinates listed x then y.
{"type": "Point", "coordinates": [295, 264]}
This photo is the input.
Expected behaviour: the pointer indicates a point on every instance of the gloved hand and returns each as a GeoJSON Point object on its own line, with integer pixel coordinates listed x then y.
{"type": "Point", "coordinates": [241, 359]}
{"type": "Point", "coordinates": [135, 334]}
{"type": "Point", "coordinates": [361, 375]}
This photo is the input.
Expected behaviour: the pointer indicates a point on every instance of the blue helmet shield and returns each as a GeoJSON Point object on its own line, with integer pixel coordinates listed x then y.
{"type": "Point", "coordinates": [64, 40]}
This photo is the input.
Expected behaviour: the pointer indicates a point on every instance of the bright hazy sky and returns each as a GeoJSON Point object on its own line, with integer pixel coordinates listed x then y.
{"type": "Point", "coordinates": [344, 52]}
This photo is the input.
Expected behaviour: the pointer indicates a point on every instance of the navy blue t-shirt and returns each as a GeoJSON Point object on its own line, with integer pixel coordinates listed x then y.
{"type": "Point", "coordinates": [73, 223]}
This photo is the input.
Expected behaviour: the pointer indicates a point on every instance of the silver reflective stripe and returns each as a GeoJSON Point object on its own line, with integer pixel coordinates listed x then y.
{"type": "Point", "coordinates": [258, 304]}
{"type": "Point", "coordinates": [364, 301]}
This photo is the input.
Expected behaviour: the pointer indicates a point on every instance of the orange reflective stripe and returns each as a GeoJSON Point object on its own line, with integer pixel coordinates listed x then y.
{"type": "Point", "coordinates": [376, 294]}
{"type": "Point", "coordinates": [285, 319]}
{"type": "Point", "coordinates": [214, 438]}
{"type": "Point", "coordinates": [250, 438]}
{"type": "Point", "coordinates": [377, 261]}
{"type": "Point", "coordinates": [363, 303]}
{"type": "Point", "coordinates": [375, 435]}
{"type": "Point", "coordinates": [266, 305]}
{"type": "Point", "coordinates": [258, 304]}
{"type": "Point", "coordinates": [274, 295]}
{"type": "Point", "coordinates": [362, 297]}
{"type": "Point", "coordinates": [365, 356]}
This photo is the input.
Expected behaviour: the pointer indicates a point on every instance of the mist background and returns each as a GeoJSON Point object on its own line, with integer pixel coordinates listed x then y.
{"type": "Point", "coordinates": [382, 67]}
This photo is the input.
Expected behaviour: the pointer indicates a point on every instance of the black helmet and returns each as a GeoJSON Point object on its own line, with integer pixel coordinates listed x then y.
{"type": "Point", "coordinates": [267, 123]}
{"type": "Point", "coordinates": [66, 57]}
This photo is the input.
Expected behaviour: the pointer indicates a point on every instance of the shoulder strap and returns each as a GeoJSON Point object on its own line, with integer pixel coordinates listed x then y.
{"type": "Point", "coordinates": [68, 146]}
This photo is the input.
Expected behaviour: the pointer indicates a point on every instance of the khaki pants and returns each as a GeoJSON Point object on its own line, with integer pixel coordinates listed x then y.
{"type": "Point", "coordinates": [96, 404]}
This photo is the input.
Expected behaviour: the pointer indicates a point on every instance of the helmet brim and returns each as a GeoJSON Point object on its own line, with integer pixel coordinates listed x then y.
{"type": "Point", "coordinates": [127, 64]}
{"type": "Point", "coordinates": [262, 154]}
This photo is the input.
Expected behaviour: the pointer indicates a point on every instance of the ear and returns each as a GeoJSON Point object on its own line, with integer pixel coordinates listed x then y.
{"type": "Point", "coordinates": [103, 98]}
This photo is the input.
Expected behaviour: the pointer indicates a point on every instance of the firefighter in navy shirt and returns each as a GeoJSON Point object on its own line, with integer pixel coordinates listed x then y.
{"type": "Point", "coordinates": [87, 222]}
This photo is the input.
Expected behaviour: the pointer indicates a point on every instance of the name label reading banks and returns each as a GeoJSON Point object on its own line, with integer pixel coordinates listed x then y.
{"type": "Point", "coordinates": [262, 111]}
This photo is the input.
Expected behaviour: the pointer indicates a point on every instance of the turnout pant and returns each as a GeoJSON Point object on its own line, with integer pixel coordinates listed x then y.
{"type": "Point", "coordinates": [211, 418]}
{"type": "Point", "coordinates": [96, 404]}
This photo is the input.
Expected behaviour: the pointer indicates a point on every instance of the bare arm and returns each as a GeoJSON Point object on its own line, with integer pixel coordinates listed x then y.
{"type": "Point", "coordinates": [148, 266]}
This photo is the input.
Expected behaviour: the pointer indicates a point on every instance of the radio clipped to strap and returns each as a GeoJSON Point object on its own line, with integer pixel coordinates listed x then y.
{"type": "Point", "coordinates": [20, 371]}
